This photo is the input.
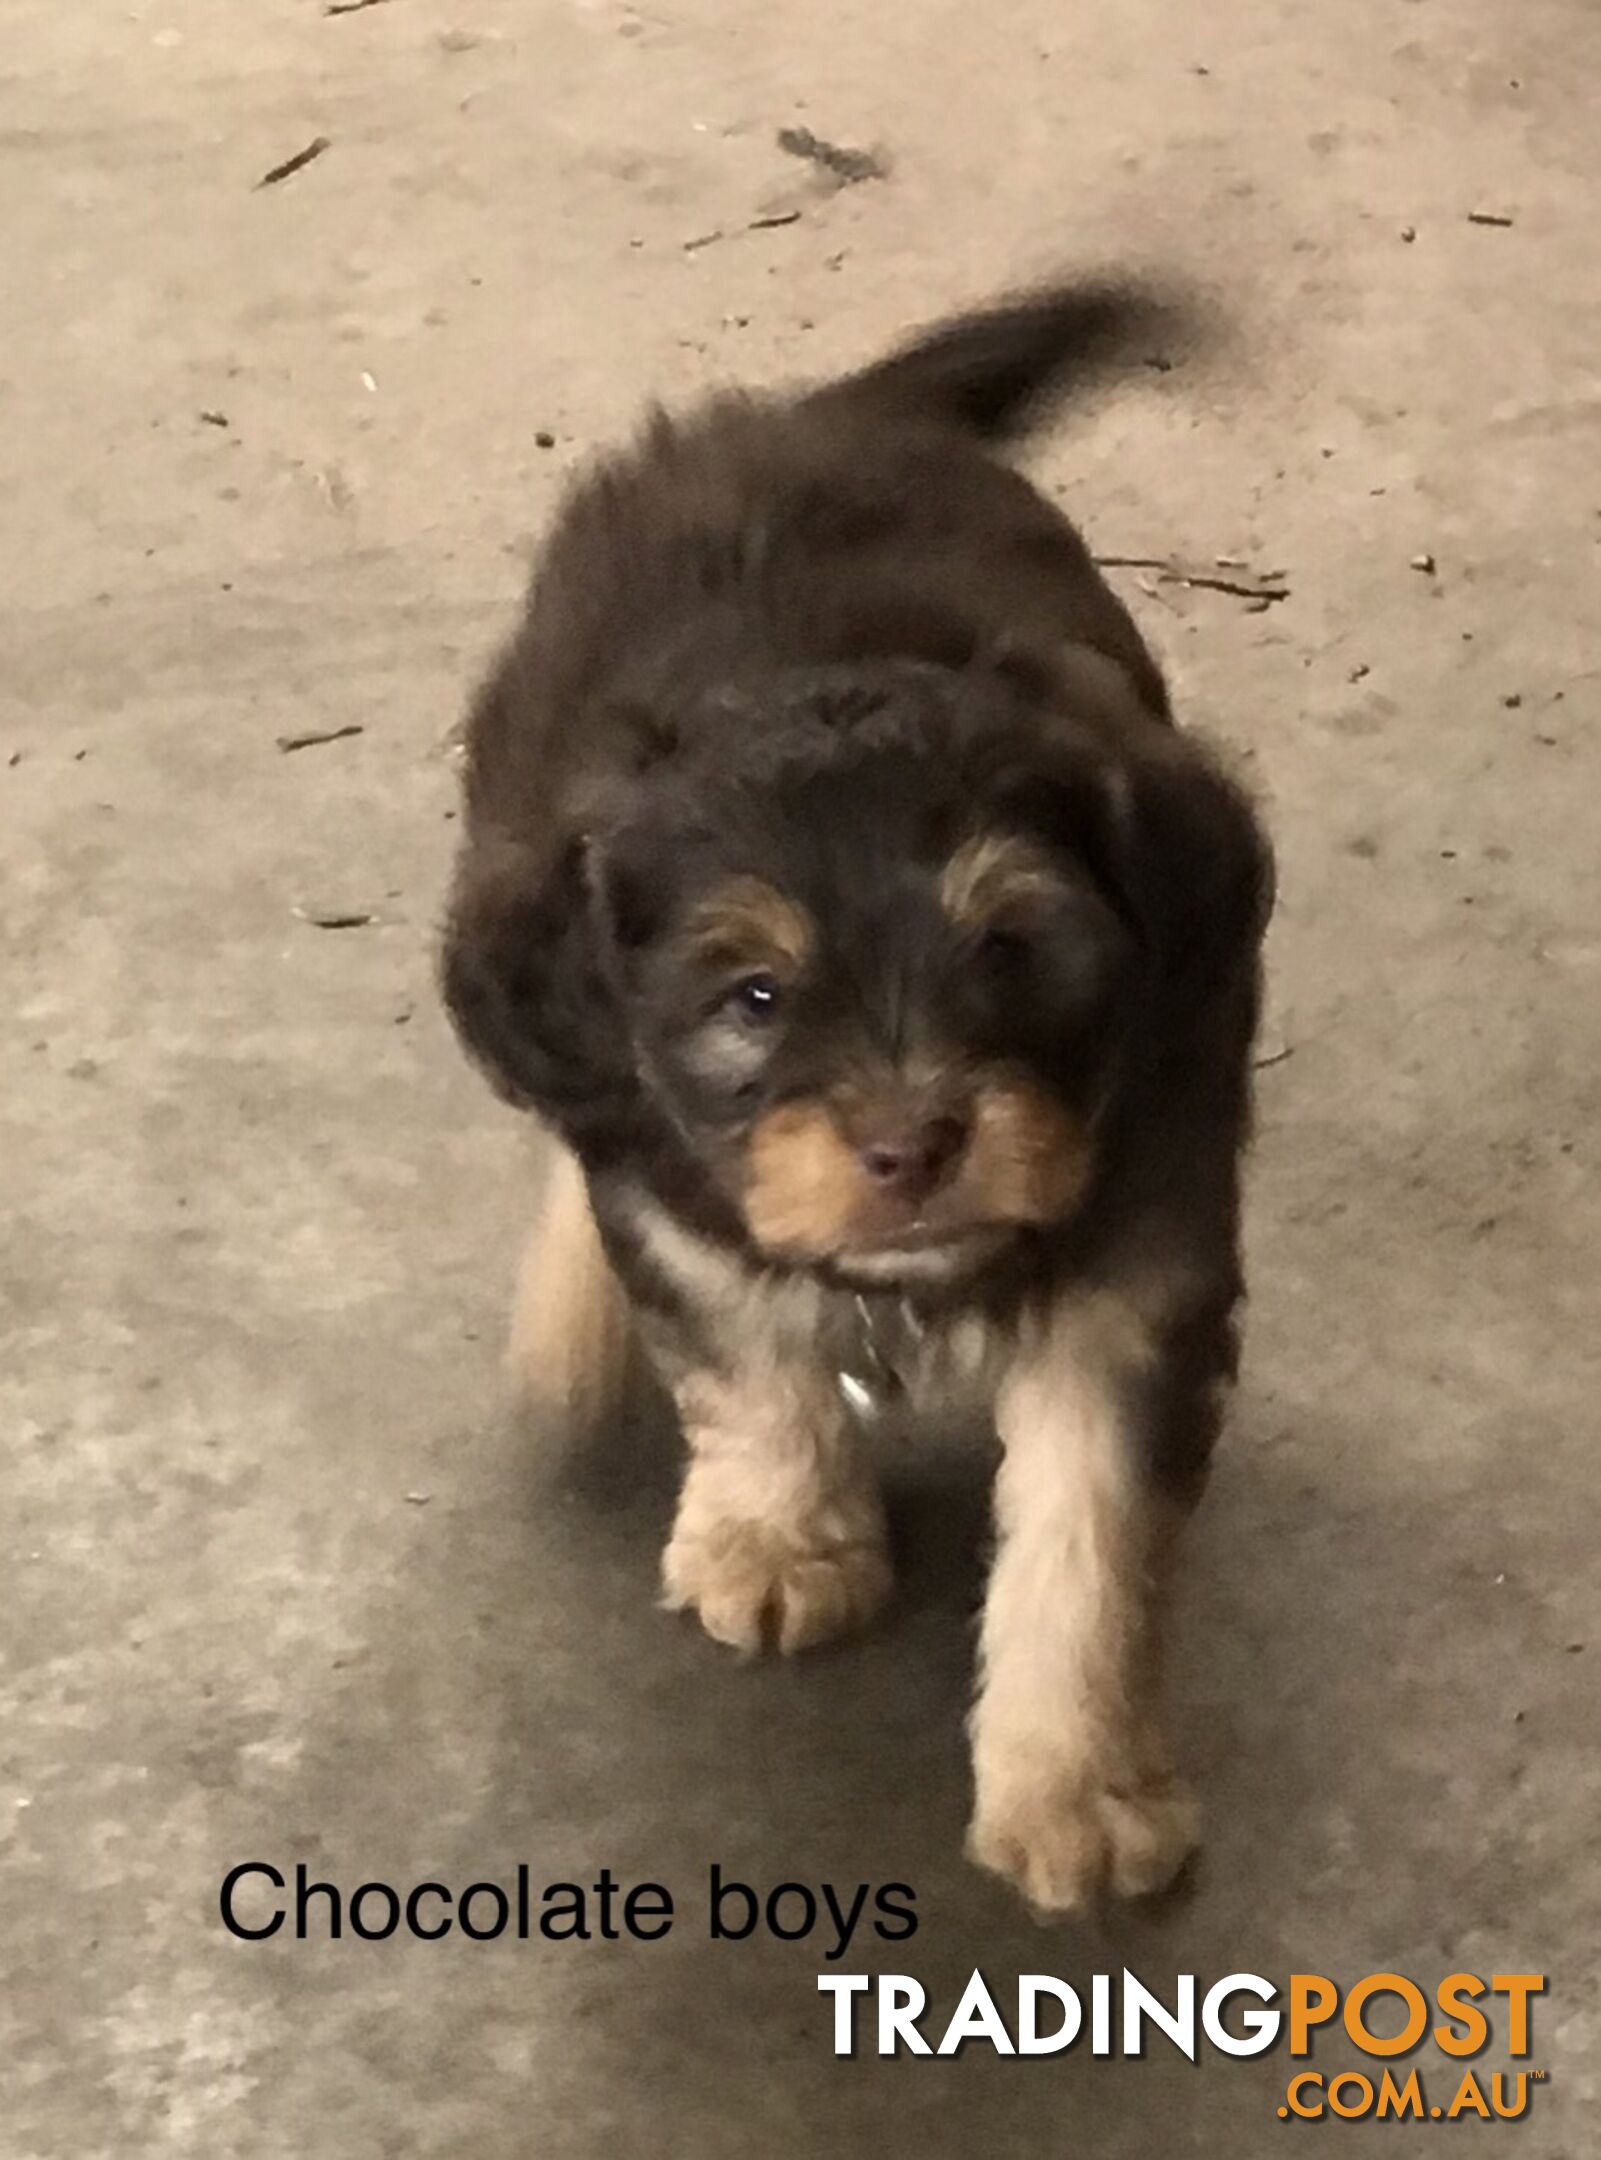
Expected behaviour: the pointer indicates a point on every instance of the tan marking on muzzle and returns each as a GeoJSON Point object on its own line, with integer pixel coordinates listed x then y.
{"type": "Point", "coordinates": [1029, 1158]}
{"type": "Point", "coordinates": [804, 1186]}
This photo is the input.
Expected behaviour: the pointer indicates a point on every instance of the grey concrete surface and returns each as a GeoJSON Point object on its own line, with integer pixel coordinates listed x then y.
{"type": "Point", "coordinates": [281, 1579]}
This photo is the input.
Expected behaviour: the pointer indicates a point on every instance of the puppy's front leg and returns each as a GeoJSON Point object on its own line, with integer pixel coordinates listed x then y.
{"type": "Point", "coordinates": [779, 1540]}
{"type": "Point", "coordinates": [1074, 1790]}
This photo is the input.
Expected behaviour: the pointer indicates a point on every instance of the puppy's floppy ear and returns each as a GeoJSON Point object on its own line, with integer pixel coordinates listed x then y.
{"type": "Point", "coordinates": [1189, 860]}
{"type": "Point", "coordinates": [526, 982]}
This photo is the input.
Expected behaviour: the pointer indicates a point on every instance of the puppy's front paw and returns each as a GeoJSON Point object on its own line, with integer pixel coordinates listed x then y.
{"type": "Point", "coordinates": [1062, 1834]}
{"type": "Point", "coordinates": [756, 1587]}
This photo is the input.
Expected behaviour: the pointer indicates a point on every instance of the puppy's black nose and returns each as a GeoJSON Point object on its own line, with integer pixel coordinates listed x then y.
{"type": "Point", "coordinates": [910, 1161]}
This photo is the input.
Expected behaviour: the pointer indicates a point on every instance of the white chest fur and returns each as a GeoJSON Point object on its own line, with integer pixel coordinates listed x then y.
{"type": "Point", "coordinates": [882, 1351]}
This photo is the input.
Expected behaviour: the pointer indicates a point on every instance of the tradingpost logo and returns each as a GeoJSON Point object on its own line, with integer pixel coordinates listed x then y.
{"type": "Point", "coordinates": [1420, 2052]}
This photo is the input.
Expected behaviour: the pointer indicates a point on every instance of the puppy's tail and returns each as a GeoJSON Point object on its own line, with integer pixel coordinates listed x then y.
{"type": "Point", "coordinates": [572, 1354]}
{"type": "Point", "coordinates": [994, 372]}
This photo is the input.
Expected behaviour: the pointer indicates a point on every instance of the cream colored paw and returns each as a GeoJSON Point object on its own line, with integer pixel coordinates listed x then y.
{"type": "Point", "coordinates": [756, 1587]}
{"type": "Point", "coordinates": [1063, 1838]}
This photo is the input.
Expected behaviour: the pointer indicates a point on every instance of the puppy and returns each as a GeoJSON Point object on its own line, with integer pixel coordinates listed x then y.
{"type": "Point", "coordinates": [838, 891]}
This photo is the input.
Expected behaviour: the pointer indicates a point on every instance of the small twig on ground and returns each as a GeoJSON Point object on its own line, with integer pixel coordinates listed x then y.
{"type": "Point", "coordinates": [846, 165]}
{"type": "Point", "coordinates": [1262, 588]}
{"type": "Point", "coordinates": [297, 163]}
{"type": "Point", "coordinates": [335, 918]}
{"type": "Point", "coordinates": [351, 7]}
{"type": "Point", "coordinates": [314, 736]}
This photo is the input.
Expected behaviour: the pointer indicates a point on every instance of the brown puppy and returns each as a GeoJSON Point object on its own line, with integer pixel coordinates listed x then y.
{"type": "Point", "coordinates": [837, 889]}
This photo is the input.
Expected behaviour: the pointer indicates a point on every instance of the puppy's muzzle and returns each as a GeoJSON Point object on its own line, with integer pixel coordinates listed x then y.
{"type": "Point", "coordinates": [909, 1158]}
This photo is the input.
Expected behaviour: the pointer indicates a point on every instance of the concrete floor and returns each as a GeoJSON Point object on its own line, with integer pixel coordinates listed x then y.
{"type": "Point", "coordinates": [281, 1579]}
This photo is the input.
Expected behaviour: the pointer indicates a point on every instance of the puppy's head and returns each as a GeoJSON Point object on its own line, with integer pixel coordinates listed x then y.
{"type": "Point", "coordinates": [885, 980]}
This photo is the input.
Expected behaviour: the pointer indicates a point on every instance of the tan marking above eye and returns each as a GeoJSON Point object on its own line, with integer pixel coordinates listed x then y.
{"type": "Point", "coordinates": [997, 876]}
{"type": "Point", "coordinates": [748, 923]}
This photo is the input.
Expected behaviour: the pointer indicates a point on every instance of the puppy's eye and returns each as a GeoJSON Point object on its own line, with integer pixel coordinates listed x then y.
{"type": "Point", "coordinates": [758, 997]}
